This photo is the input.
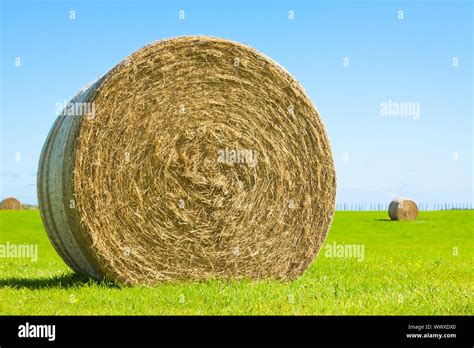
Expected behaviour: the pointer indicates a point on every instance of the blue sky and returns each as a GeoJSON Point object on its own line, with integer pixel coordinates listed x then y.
{"type": "Point", "coordinates": [428, 157]}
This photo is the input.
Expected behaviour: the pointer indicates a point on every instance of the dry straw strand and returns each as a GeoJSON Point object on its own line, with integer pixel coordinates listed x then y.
{"type": "Point", "coordinates": [203, 159]}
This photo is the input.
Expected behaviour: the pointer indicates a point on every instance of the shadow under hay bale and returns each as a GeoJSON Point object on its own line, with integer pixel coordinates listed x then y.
{"type": "Point", "coordinates": [10, 203]}
{"type": "Point", "coordinates": [197, 158]}
{"type": "Point", "coordinates": [403, 209]}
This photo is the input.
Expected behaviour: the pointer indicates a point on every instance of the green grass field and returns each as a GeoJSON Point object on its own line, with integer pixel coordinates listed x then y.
{"type": "Point", "coordinates": [409, 268]}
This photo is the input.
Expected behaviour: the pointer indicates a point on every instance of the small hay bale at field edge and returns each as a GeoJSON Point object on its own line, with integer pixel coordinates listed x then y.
{"type": "Point", "coordinates": [200, 158]}
{"type": "Point", "coordinates": [10, 203]}
{"type": "Point", "coordinates": [403, 209]}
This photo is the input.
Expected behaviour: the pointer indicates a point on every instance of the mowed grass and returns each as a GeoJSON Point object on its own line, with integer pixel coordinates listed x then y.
{"type": "Point", "coordinates": [409, 268]}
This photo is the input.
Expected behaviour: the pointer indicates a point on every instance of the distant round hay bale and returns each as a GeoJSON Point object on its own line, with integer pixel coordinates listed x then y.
{"type": "Point", "coordinates": [403, 209]}
{"type": "Point", "coordinates": [197, 158]}
{"type": "Point", "coordinates": [10, 203]}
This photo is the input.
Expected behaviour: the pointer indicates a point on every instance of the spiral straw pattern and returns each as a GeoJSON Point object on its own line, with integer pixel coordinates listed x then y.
{"type": "Point", "coordinates": [201, 158]}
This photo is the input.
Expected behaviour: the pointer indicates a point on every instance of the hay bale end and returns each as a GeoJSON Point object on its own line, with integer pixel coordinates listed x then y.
{"type": "Point", "coordinates": [10, 203]}
{"type": "Point", "coordinates": [403, 209]}
{"type": "Point", "coordinates": [196, 158]}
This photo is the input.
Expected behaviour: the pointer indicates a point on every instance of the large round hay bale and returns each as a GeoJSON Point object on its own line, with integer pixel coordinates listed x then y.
{"type": "Point", "coordinates": [10, 203]}
{"type": "Point", "coordinates": [198, 158]}
{"type": "Point", "coordinates": [403, 209]}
